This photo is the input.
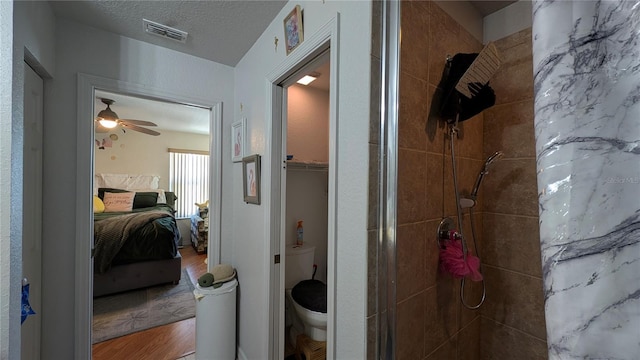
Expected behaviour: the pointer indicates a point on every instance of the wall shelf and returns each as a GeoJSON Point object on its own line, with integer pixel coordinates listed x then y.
{"type": "Point", "coordinates": [307, 165]}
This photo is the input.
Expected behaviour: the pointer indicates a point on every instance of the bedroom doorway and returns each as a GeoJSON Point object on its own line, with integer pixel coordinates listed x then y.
{"type": "Point", "coordinates": [157, 158]}
{"type": "Point", "coordinates": [97, 144]}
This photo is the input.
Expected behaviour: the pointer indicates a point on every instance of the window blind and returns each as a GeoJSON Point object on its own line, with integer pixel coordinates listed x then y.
{"type": "Point", "coordinates": [189, 180]}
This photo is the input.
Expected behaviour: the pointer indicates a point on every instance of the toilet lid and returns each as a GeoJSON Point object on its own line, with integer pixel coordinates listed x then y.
{"type": "Point", "coordinates": [311, 294]}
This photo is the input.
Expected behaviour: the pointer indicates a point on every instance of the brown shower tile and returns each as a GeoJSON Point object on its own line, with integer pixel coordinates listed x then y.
{"type": "Point", "coordinates": [467, 173]}
{"type": "Point", "coordinates": [473, 44]}
{"type": "Point", "coordinates": [435, 168]}
{"type": "Point", "coordinates": [515, 47]}
{"type": "Point", "coordinates": [442, 19]}
{"type": "Point", "coordinates": [435, 127]}
{"type": "Point", "coordinates": [414, 50]}
{"type": "Point", "coordinates": [410, 328]}
{"type": "Point", "coordinates": [478, 225]}
{"type": "Point", "coordinates": [512, 242]}
{"type": "Point", "coordinates": [412, 167]}
{"type": "Point", "coordinates": [432, 255]}
{"type": "Point", "coordinates": [515, 300]}
{"type": "Point", "coordinates": [410, 255]}
{"type": "Point", "coordinates": [511, 188]}
{"type": "Point", "coordinates": [443, 41]}
{"type": "Point", "coordinates": [472, 289]}
{"type": "Point", "coordinates": [372, 271]}
{"type": "Point", "coordinates": [440, 316]}
{"type": "Point", "coordinates": [471, 135]}
{"type": "Point", "coordinates": [413, 110]}
{"type": "Point", "coordinates": [509, 128]}
{"type": "Point", "coordinates": [513, 82]}
{"type": "Point", "coordinates": [499, 342]}
{"type": "Point", "coordinates": [447, 351]}
{"type": "Point", "coordinates": [469, 341]}
{"type": "Point", "coordinates": [374, 121]}
{"type": "Point", "coordinates": [449, 198]}
{"type": "Point", "coordinates": [473, 297]}
{"type": "Point", "coordinates": [372, 220]}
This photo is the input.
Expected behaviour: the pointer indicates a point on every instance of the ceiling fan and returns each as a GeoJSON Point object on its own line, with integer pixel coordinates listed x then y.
{"type": "Point", "coordinates": [107, 119]}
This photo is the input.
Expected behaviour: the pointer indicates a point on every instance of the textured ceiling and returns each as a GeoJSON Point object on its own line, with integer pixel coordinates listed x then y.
{"type": "Point", "coordinates": [168, 116]}
{"type": "Point", "coordinates": [221, 31]}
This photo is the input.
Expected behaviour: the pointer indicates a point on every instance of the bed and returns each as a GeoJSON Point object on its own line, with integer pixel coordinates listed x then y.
{"type": "Point", "coordinates": [135, 248]}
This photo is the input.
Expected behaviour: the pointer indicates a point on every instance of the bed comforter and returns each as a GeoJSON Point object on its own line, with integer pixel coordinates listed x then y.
{"type": "Point", "coordinates": [141, 235]}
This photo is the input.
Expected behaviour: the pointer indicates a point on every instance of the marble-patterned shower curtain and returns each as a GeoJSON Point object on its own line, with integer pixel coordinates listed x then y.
{"type": "Point", "coordinates": [587, 124]}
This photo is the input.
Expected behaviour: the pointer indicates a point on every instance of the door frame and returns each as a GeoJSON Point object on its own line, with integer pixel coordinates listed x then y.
{"type": "Point", "coordinates": [326, 38]}
{"type": "Point", "coordinates": [87, 84]}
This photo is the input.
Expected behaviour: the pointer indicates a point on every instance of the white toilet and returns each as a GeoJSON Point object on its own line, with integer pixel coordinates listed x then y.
{"type": "Point", "coordinates": [299, 267]}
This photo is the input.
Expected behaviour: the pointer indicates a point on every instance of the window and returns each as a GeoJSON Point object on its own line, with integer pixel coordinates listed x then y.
{"type": "Point", "coordinates": [188, 179]}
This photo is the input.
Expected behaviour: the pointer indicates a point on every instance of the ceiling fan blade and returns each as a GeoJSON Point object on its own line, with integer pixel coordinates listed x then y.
{"type": "Point", "coordinates": [140, 129]}
{"type": "Point", "coordinates": [138, 122]}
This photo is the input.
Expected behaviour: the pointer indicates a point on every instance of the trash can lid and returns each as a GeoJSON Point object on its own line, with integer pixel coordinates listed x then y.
{"type": "Point", "coordinates": [227, 287]}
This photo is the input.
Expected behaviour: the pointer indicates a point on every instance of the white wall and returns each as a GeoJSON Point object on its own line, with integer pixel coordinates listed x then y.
{"type": "Point", "coordinates": [8, 297]}
{"type": "Point", "coordinates": [251, 241]}
{"type": "Point", "coordinates": [137, 153]}
{"type": "Point", "coordinates": [308, 123]}
{"type": "Point", "coordinates": [507, 21]}
{"type": "Point", "coordinates": [26, 31]}
{"type": "Point", "coordinates": [132, 61]}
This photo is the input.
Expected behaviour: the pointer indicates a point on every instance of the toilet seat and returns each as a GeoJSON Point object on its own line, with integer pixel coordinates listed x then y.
{"type": "Point", "coordinates": [311, 295]}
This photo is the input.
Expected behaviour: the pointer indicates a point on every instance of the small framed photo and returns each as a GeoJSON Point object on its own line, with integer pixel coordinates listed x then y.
{"type": "Point", "coordinates": [251, 179]}
{"type": "Point", "coordinates": [293, 29]}
{"type": "Point", "coordinates": [238, 134]}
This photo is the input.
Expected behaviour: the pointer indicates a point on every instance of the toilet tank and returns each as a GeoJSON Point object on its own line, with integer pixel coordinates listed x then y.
{"type": "Point", "coordinates": [298, 264]}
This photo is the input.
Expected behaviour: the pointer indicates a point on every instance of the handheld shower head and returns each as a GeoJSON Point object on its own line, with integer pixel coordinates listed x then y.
{"type": "Point", "coordinates": [495, 156]}
{"type": "Point", "coordinates": [485, 170]}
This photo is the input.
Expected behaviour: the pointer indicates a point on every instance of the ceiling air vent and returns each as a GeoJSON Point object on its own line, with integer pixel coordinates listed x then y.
{"type": "Point", "coordinates": [154, 28]}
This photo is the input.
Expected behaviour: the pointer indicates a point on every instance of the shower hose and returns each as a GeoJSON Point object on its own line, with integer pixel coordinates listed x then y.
{"type": "Point", "coordinates": [453, 131]}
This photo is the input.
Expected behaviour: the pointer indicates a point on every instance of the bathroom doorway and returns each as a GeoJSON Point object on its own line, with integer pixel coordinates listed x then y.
{"type": "Point", "coordinates": [305, 190]}
{"type": "Point", "coordinates": [314, 52]}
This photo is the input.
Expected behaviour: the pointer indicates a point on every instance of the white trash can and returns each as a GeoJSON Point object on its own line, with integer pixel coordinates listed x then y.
{"type": "Point", "coordinates": [216, 322]}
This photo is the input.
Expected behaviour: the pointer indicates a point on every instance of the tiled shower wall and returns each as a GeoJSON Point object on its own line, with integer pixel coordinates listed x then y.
{"type": "Point", "coordinates": [431, 322]}
{"type": "Point", "coordinates": [512, 324]}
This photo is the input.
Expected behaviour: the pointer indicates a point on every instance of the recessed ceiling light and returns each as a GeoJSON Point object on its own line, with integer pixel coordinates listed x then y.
{"type": "Point", "coordinates": [306, 80]}
{"type": "Point", "coordinates": [309, 78]}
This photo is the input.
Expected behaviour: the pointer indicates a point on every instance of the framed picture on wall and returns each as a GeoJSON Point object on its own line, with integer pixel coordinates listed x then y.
{"type": "Point", "coordinates": [251, 179]}
{"type": "Point", "coordinates": [238, 134]}
{"type": "Point", "coordinates": [293, 33]}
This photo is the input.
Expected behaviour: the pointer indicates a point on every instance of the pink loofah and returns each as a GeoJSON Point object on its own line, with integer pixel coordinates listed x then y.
{"type": "Point", "coordinates": [452, 261]}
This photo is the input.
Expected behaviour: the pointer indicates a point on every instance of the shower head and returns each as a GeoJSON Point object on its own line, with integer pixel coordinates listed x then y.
{"type": "Point", "coordinates": [495, 156]}
{"type": "Point", "coordinates": [485, 170]}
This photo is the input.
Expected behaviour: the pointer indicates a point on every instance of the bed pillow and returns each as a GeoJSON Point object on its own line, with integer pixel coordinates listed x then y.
{"type": "Point", "coordinates": [145, 199]}
{"type": "Point", "coordinates": [142, 199]}
{"type": "Point", "coordinates": [101, 191]}
{"type": "Point", "coordinates": [118, 202]}
{"type": "Point", "coordinates": [98, 205]}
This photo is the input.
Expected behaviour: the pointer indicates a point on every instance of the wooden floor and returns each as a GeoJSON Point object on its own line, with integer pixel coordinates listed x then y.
{"type": "Point", "coordinates": [167, 342]}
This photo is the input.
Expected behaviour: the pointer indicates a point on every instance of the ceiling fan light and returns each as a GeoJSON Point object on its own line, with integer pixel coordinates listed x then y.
{"type": "Point", "coordinates": [108, 123]}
